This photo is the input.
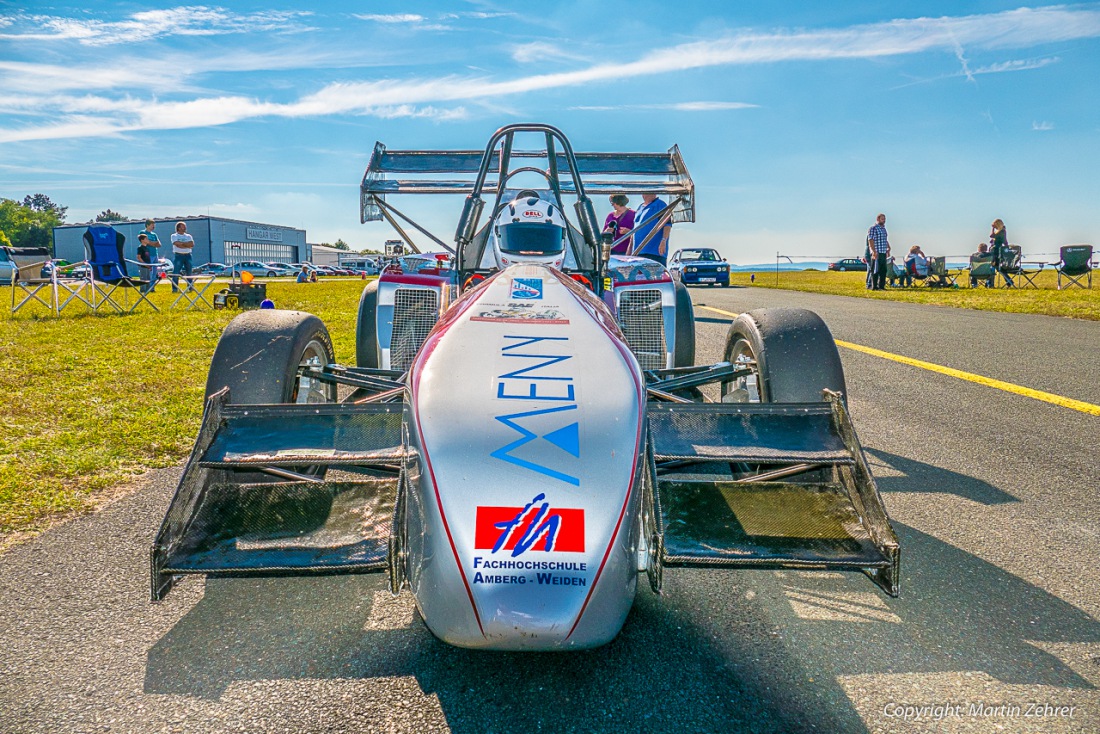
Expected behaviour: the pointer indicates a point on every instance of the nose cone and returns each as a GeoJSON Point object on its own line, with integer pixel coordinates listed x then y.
{"type": "Point", "coordinates": [528, 411]}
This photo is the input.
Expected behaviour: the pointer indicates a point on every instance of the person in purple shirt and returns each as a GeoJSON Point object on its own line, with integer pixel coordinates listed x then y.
{"type": "Point", "coordinates": [619, 222]}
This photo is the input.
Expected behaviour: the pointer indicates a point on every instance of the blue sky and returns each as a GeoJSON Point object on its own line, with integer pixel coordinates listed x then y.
{"type": "Point", "coordinates": [799, 121]}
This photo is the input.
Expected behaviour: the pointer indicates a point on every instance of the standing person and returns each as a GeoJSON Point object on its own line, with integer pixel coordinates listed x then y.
{"type": "Point", "coordinates": [657, 247]}
{"type": "Point", "coordinates": [879, 245]}
{"type": "Point", "coordinates": [998, 241]}
{"type": "Point", "coordinates": [152, 242]}
{"type": "Point", "coordinates": [619, 222]}
{"type": "Point", "coordinates": [182, 246]}
{"type": "Point", "coordinates": [148, 270]}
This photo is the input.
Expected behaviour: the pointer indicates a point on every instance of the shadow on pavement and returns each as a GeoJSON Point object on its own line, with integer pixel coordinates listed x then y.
{"type": "Point", "coordinates": [661, 673]}
{"type": "Point", "coordinates": [956, 613]}
{"type": "Point", "coordinates": [737, 651]}
{"type": "Point", "coordinates": [921, 477]}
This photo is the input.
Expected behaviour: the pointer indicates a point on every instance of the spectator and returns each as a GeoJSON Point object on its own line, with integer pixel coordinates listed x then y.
{"type": "Point", "coordinates": [657, 246]}
{"type": "Point", "coordinates": [983, 251]}
{"type": "Point", "coordinates": [153, 243]}
{"type": "Point", "coordinates": [879, 245]}
{"type": "Point", "coordinates": [303, 275]}
{"type": "Point", "coordinates": [148, 270]}
{"type": "Point", "coordinates": [998, 241]}
{"type": "Point", "coordinates": [182, 246]}
{"type": "Point", "coordinates": [619, 222]}
{"type": "Point", "coordinates": [916, 263]}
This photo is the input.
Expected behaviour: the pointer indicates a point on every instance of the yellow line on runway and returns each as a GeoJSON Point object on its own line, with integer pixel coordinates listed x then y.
{"type": "Point", "coordinates": [1046, 397]}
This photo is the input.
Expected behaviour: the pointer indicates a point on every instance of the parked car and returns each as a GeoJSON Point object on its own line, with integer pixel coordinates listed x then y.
{"type": "Point", "coordinates": [255, 267]}
{"type": "Point", "coordinates": [291, 268]}
{"type": "Point", "coordinates": [700, 266]}
{"type": "Point", "coordinates": [212, 269]}
{"type": "Point", "coordinates": [6, 268]}
{"type": "Point", "coordinates": [848, 263]}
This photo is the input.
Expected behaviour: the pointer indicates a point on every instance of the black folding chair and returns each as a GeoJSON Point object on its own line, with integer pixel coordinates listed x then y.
{"type": "Point", "coordinates": [982, 270]}
{"type": "Point", "coordinates": [108, 270]}
{"type": "Point", "coordinates": [1076, 265]}
{"type": "Point", "coordinates": [1010, 266]}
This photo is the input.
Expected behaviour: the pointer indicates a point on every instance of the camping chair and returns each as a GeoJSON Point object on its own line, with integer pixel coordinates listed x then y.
{"type": "Point", "coordinates": [982, 270]}
{"type": "Point", "coordinates": [108, 269]}
{"type": "Point", "coordinates": [1010, 266]}
{"type": "Point", "coordinates": [938, 274]}
{"type": "Point", "coordinates": [1076, 265]}
{"type": "Point", "coordinates": [28, 265]}
{"type": "Point", "coordinates": [193, 291]}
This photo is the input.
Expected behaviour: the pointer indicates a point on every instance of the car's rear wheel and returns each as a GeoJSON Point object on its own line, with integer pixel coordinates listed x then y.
{"type": "Point", "coordinates": [366, 328]}
{"type": "Point", "coordinates": [684, 349]}
{"type": "Point", "coordinates": [790, 352]}
{"type": "Point", "coordinates": [259, 358]}
{"type": "Point", "coordinates": [271, 273]}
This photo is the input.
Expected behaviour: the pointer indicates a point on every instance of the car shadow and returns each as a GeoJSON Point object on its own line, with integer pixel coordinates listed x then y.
{"type": "Point", "coordinates": [918, 476]}
{"type": "Point", "coordinates": [661, 673]}
{"type": "Point", "coordinates": [719, 651]}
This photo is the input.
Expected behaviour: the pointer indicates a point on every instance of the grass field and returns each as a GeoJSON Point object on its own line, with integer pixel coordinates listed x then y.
{"type": "Point", "coordinates": [93, 401]}
{"type": "Point", "coordinates": [1075, 302]}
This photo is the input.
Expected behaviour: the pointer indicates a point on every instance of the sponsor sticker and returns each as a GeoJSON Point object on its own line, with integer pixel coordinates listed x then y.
{"type": "Point", "coordinates": [534, 527]}
{"type": "Point", "coordinates": [527, 289]}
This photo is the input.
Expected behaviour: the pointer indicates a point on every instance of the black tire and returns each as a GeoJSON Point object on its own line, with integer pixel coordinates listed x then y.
{"type": "Point", "coordinates": [271, 273]}
{"type": "Point", "coordinates": [795, 355]}
{"type": "Point", "coordinates": [259, 354]}
{"type": "Point", "coordinates": [683, 353]}
{"type": "Point", "coordinates": [366, 328]}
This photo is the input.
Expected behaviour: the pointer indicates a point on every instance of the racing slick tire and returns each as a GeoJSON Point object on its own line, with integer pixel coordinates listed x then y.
{"type": "Point", "coordinates": [258, 357]}
{"type": "Point", "coordinates": [794, 354]}
{"type": "Point", "coordinates": [366, 328]}
{"type": "Point", "coordinates": [683, 352]}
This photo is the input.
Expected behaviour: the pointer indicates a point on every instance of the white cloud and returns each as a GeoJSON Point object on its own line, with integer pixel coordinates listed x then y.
{"type": "Point", "coordinates": [1042, 126]}
{"type": "Point", "coordinates": [393, 18]}
{"type": "Point", "coordinates": [432, 97]}
{"type": "Point", "coordinates": [149, 25]}
{"type": "Point", "coordinates": [678, 106]}
{"type": "Point", "coordinates": [541, 51]}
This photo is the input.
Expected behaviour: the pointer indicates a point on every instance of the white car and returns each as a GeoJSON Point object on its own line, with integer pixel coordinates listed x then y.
{"type": "Point", "coordinates": [258, 268]}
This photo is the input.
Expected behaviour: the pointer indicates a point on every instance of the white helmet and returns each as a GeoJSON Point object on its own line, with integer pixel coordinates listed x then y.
{"type": "Point", "coordinates": [529, 229]}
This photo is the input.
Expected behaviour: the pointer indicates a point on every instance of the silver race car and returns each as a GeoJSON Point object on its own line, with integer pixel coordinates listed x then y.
{"type": "Point", "coordinates": [525, 432]}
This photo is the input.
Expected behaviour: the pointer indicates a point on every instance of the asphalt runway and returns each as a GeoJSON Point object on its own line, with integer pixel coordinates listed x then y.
{"type": "Point", "coordinates": [994, 496]}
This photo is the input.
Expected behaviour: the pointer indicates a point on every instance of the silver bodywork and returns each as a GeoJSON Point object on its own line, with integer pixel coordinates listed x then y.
{"type": "Point", "coordinates": [537, 443]}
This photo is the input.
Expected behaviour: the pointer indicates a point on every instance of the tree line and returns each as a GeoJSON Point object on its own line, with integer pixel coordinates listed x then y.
{"type": "Point", "coordinates": [30, 223]}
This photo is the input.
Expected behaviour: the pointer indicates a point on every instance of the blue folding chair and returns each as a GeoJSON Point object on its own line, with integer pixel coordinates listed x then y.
{"type": "Point", "coordinates": [103, 245]}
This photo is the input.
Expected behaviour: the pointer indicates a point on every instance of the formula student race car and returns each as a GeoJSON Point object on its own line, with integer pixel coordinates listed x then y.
{"type": "Point", "coordinates": [525, 431]}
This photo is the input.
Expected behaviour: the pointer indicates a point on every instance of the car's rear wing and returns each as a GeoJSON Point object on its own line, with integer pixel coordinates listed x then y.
{"type": "Point", "coordinates": [454, 171]}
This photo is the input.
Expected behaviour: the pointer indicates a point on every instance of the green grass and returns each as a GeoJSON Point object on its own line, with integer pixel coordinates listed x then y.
{"type": "Point", "coordinates": [92, 401]}
{"type": "Point", "coordinates": [1075, 303]}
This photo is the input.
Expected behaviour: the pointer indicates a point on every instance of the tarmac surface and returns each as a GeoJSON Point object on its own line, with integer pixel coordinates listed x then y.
{"type": "Point", "coordinates": [993, 495]}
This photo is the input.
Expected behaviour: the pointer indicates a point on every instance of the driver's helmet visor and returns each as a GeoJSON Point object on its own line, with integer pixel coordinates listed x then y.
{"type": "Point", "coordinates": [531, 238]}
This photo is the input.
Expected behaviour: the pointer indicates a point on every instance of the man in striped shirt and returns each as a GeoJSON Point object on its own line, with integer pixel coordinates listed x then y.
{"type": "Point", "coordinates": [880, 251]}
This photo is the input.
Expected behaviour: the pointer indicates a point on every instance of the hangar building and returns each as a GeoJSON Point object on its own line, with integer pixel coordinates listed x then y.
{"type": "Point", "coordinates": [217, 240]}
